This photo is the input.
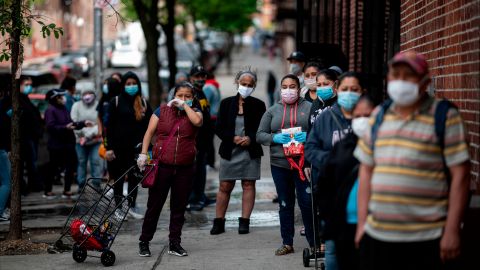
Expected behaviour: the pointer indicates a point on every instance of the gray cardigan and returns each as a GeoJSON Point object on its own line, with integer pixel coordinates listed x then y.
{"type": "Point", "coordinates": [271, 124]}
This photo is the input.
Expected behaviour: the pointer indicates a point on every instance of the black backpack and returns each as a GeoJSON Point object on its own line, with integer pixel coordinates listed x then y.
{"type": "Point", "coordinates": [440, 117]}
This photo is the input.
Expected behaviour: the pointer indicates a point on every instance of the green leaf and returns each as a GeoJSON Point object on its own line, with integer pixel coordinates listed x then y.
{"type": "Point", "coordinates": [56, 34]}
{"type": "Point", "coordinates": [47, 31]}
{"type": "Point", "coordinates": [2, 57]}
{"type": "Point", "coordinates": [52, 25]}
{"type": "Point", "coordinates": [7, 57]}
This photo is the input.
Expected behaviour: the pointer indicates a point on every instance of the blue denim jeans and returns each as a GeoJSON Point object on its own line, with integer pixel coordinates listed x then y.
{"type": "Point", "coordinates": [4, 179]}
{"type": "Point", "coordinates": [87, 153]}
{"type": "Point", "coordinates": [286, 182]}
{"type": "Point", "coordinates": [330, 255]}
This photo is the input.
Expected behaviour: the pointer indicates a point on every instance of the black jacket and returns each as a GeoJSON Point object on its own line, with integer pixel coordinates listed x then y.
{"type": "Point", "coordinates": [335, 185]}
{"type": "Point", "coordinates": [253, 110]}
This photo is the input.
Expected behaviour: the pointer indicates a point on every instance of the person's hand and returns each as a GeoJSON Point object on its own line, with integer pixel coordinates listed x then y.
{"type": "Point", "coordinates": [245, 141]}
{"type": "Point", "coordinates": [83, 140]}
{"type": "Point", "coordinates": [110, 155]}
{"type": "Point", "coordinates": [176, 102]}
{"type": "Point", "coordinates": [300, 137]}
{"type": "Point", "coordinates": [237, 140]}
{"type": "Point", "coordinates": [359, 234]}
{"type": "Point", "coordinates": [281, 138]}
{"type": "Point", "coordinates": [308, 173]}
{"type": "Point", "coordinates": [70, 126]}
{"type": "Point", "coordinates": [449, 246]}
{"type": "Point", "coordinates": [141, 160]}
{"type": "Point", "coordinates": [89, 123]}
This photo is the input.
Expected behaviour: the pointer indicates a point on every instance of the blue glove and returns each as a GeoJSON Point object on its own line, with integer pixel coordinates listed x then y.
{"type": "Point", "coordinates": [301, 137]}
{"type": "Point", "coordinates": [281, 138]}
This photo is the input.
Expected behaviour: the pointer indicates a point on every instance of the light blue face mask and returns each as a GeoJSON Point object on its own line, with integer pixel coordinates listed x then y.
{"type": "Point", "coordinates": [189, 102]}
{"type": "Point", "coordinates": [9, 113]}
{"type": "Point", "coordinates": [27, 89]}
{"type": "Point", "coordinates": [105, 89]}
{"type": "Point", "coordinates": [325, 92]}
{"type": "Point", "coordinates": [131, 89]}
{"type": "Point", "coordinates": [348, 100]}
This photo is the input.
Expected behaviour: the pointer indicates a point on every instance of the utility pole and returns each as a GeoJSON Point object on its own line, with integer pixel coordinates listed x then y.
{"type": "Point", "coordinates": [98, 43]}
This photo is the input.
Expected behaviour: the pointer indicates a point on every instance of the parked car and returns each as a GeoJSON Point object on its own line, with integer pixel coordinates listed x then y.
{"type": "Point", "coordinates": [82, 58]}
{"type": "Point", "coordinates": [66, 65]}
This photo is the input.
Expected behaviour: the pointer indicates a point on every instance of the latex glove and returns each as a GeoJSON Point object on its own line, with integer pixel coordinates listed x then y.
{"type": "Point", "coordinates": [301, 137]}
{"type": "Point", "coordinates": [281, 138]}
{"type": "Point", "coordinates": [141, 160]}
{"type": "Point", "coordinates": [110, 155]}
{"type": "Point", "coordinates": [176, 102]}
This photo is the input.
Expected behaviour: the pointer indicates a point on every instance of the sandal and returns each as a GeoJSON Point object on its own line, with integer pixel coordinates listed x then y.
{"type": "Point", "coordinates": [284, 250]}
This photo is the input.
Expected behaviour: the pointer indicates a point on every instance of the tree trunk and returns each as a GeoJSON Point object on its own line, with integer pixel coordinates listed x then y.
{"type": "Point", "coordinates": [170, 35]}
{"type": "Point", "coordinates": [16, 60]}
{"type": "Point", "coordinates": [153, 67]}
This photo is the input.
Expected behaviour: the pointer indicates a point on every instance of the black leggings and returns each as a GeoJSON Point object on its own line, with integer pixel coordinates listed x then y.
{"type": "Point", "coordinates": [117, 168]}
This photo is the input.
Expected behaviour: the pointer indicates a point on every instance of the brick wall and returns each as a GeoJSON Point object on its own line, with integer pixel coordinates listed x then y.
{"type": "Point", "coordinates": [448, 33]}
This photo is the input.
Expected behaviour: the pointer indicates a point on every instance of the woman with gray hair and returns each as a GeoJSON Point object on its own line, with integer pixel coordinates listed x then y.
{"type": "Point", "coordinates": [237, 123]}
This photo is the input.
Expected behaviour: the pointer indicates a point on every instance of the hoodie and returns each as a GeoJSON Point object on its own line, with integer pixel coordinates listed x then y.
{"type": "Point", "coordinates": [323, 136]}
{"type": "Point", "coordinates": [271, 124]}
{"type": "Point", "coordinates": [124, 131]}
{"type": "Point", "coordinates": [81, 112]}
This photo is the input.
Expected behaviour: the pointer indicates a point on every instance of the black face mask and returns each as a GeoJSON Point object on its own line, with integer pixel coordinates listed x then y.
{"type": "Point", "coordinates": [199, 84]}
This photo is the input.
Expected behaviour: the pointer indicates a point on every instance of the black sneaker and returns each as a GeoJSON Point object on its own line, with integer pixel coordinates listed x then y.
{"type": "Point", "coordinates": [177, 250]}
{"type": "Point", "coordinates": [144, 249]}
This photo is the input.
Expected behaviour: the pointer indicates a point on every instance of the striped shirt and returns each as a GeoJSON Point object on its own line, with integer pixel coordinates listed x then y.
{"type": "Point", "coordinates": [409, 190]}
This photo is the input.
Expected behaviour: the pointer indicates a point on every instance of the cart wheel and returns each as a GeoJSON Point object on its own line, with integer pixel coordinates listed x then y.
{"type": "Point", "coordinates": [306, 257]}
{"type": "Point", "coordinates": [79, 253]}
{"type": "Point", "coordinates": [107, 258]}
{"type": "Point", "coordinates": [59, 244]}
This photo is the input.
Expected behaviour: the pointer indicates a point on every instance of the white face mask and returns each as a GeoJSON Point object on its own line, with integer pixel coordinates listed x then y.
{"type": "Point", "coordinates": [289, 95]}
{"type": "Point", "coordinates": [311, 83]}
{"type": "Point", "coordinates": [403, 93]}
{"type": "Point", "coordinates": [294, 68]}
{"type": "Point", "coordinates": [360, 126]}
{"type": "Point", "coordinates": [245, 91]}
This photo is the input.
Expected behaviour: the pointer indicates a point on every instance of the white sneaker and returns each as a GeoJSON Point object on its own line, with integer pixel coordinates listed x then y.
{"type": "Point", "coordinates": [135, 213]}
{"type": "Point", "coordinates": [6, 212]}
{"type": "Point", "coordinates": [4, 217]}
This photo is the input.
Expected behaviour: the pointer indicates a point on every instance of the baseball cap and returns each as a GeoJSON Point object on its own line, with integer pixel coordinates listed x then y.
{"type": "Point", "coordinates": [297, 55]}
{"type": "Point", "coordinates": [54, 93]}
{"type": "Point", "coordinates": [413, 59]}
{"type": "Point", "coordinates": [198, 70]}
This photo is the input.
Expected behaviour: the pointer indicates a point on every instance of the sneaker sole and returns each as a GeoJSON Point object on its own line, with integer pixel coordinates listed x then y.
{"type": "Point", "coordinates": [144, 255]}
{"type": "Point", "coordinates": [176, 254]}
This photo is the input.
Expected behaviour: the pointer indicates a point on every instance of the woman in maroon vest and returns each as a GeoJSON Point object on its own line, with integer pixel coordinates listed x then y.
{"type": "Point", "coordinates": [176, 125]}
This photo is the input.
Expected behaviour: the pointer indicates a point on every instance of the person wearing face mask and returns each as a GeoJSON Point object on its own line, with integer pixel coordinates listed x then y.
{"type": "Point", "coordinates": [31, 131]}
{"type": "Point", "coordinates": [110, 89]}
{"type": "Point", "coordinates": [128, 114]}
{"type": "Point", "coordinates": [197, 200]}
{"type": "Point", "coordinates": [5, 148]}
{"type": "Point", "coordinates": [326, 93]}
{"type": "Point", "coordinates": [284, 129]}
{"type": "Point", "coordinates": [88, 138]}
{"type": "Point", "coordinates": [296, 62]}
{"type": "Point", "coordinates": [237, 125]}
{"type": "Point", "coordinates": [329, 128]}
{"type": "Point", "coordinates": [341, 185]}
{"type": "Point", "coordinates": [310, 73]}
{"type": "Point", "coordinates": [179, 78]}
{"type": "Point", "coordinates": [414, 179]}
{"type": "Point", "coordinates": [61, 143]}
{"type": "Point", "coordinates": [175, 125]}
{"type": "Point", "coordinates": [69, 85]}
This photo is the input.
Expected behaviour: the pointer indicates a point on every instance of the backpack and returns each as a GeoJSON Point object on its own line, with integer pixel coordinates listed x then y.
{"type": "Point", "coordinates": [440, 117]}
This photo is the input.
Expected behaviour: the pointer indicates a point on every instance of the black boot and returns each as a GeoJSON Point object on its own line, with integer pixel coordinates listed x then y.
{"type": "Point", "coordinates": [243, 225]}
{"type": "Point", "coordinates": [218, 226]}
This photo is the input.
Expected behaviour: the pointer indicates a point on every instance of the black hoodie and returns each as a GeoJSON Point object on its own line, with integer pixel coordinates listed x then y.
{"type": "Point", "coordinates": [124, 131]}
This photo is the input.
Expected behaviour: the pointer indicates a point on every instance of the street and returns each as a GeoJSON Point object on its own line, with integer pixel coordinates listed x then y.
{"type": "Point", "coordinates": [226, 251]}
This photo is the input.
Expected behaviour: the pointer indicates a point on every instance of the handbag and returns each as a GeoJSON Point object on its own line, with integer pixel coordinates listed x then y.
{"type": "Point", "coordinates": [102, 151]}
{"type": "Point", "coordinates": [153, 163]}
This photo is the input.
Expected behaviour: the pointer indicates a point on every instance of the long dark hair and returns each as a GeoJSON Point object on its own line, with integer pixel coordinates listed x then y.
{"type": "Point", "coordinates": [293, 77]}
{"type": "Point", "coordinates": [351, 74]}
{"type": "Point", "coordinates": [138, 102]}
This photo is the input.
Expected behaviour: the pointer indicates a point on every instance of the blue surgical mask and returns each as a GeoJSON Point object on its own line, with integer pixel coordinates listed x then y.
{"type": "Point", "coordinates": [325, 92]}
{"type": "Point", "coordinates": [105, 89]}
{"type": "Point", "coordinates": [131, 89]}
{"type": "Point", "coordinates": [27, 89]}
{"type": "Point", "coordinates": [189, 102]}
{"type": "Point", "coordinates": [348, 100]}
{"type": "Point", "coordinates": [9, 113]}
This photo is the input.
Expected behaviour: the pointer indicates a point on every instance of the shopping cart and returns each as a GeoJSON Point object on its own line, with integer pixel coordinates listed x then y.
{"type": "Point", "coordinates": [96, 219]}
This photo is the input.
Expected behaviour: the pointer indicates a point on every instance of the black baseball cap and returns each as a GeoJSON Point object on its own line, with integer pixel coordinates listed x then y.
{"type": "Point", "coordinates": [198, 70]}
{"type": "Point", "coordinates": [297, 55]}
{"type": "Point", "coordinates": [54, 93]}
